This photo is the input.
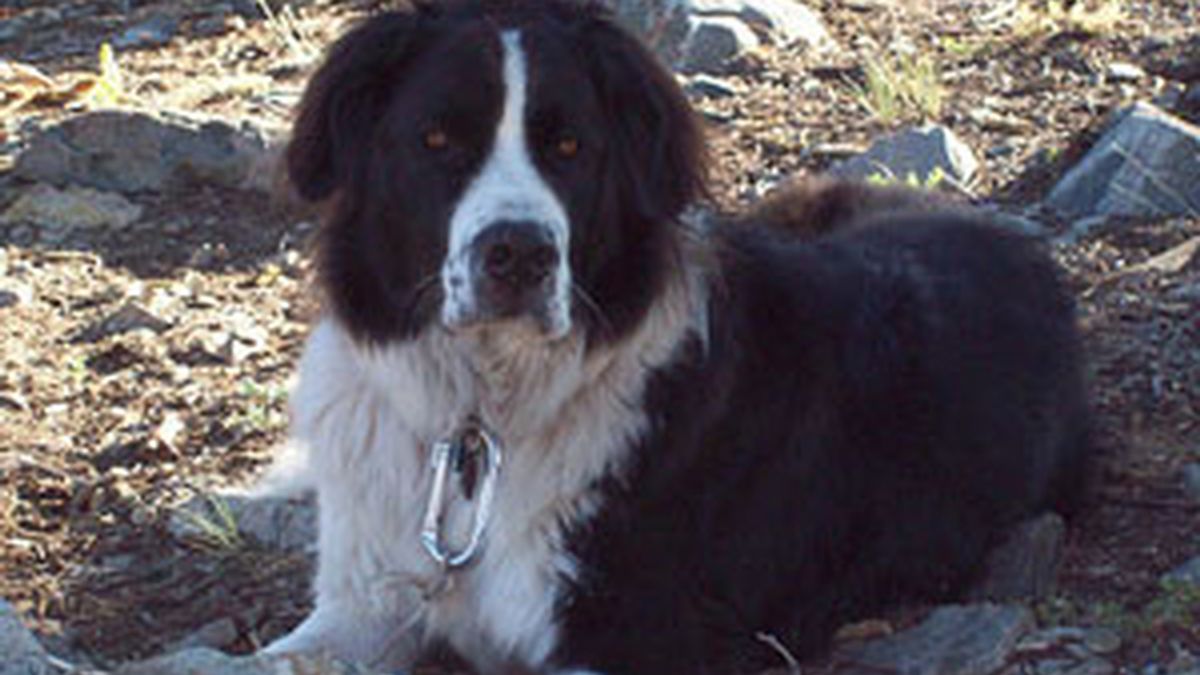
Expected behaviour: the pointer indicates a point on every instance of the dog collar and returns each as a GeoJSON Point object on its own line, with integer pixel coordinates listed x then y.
{"type": "Point", "coordinates": [473, 456]}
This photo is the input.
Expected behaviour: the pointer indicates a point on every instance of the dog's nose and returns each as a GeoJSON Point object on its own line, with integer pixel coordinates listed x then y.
{"type": "Point", "coordinates": [518, 254]}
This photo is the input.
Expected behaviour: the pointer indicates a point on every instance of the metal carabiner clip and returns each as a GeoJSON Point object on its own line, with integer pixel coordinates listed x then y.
{"type": "Point", "coordinates": [447, 455]}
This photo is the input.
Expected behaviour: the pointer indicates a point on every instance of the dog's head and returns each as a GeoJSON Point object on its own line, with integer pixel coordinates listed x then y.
{"type": "Point", "coordinates": [493, 164]}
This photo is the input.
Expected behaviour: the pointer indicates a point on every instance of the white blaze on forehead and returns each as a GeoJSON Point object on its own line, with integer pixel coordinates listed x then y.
{"type": "Point", "coordinates": [509, 187]}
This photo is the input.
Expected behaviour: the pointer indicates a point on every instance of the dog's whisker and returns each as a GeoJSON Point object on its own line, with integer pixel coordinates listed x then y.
{"type": "Point", "coordinates": [418, 295]}
{"type": "Point", "coordinates": [588, 302]}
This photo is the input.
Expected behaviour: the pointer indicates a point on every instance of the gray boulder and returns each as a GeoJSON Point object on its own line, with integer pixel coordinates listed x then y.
{"type": "Point", "coordinates": [705, 35]}
{"type": "Point", "coordinates": [135, 152]}
{"type": "Point", "coordinates": [920, 153]}
{"type": "Point", "coordinates": [1146, 164]}
{"type": "Point", "coordinates": [953, 640]}
{"type": "Point", "coordinates": [153, 32]}
{"type": "Point", "coordinates": [1025, 565]}
{"type": "Point", "coordinates": [203, 661]}
{"type": "Point", "coordinates": [282, 523]}
{"type": "Point", "coordinates": [72, 208]}
{"type": "Point", "coordinates": [20, 653]}
{"type": "Point", "coordinates": [779, 21]}
{"type": "Point", "coordinates": [662, 24]}
{"type": "Point", "coordinates": [714, 43]}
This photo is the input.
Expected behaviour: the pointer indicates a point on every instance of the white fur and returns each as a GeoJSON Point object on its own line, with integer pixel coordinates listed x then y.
{"type": "Point", "coordinates": [508, 187]}
{"type": "Point", "coordinates": [368, 417]}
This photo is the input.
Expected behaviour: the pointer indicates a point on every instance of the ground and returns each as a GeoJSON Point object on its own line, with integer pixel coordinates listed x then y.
{"type": "Point", "coordinates": [141, 366]}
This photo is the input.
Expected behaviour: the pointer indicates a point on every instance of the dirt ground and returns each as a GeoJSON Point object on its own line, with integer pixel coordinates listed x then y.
{"type": "Point", "coordinates": [141, 366]}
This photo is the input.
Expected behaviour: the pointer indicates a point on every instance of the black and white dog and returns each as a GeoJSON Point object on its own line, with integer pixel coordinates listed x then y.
{"type": "Point", "coordinates": [557, 428]}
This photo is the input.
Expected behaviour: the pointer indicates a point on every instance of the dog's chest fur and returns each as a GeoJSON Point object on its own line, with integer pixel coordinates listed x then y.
{"type": "Point", "coordinates": [369, 417]}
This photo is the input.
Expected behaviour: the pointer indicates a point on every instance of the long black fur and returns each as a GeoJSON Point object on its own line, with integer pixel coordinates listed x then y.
{"type": "Point", "coordinates": [870, 413]}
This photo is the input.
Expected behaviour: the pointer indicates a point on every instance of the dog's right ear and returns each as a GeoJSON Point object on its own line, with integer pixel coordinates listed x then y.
{"type": "Point", "coordinates": [346, 98]}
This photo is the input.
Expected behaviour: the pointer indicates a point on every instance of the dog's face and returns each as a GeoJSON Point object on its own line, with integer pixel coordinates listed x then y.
{"type": "Point", "coordinates": [493, 165]}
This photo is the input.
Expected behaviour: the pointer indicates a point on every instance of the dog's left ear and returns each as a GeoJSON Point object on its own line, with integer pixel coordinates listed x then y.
{"type": "Point", "coordinates": [345, 100]}
{"type": "Point", "coordinates": [658, 140]}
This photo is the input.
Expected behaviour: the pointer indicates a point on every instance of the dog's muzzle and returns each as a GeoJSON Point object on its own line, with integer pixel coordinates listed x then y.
{"type": "Point", "coordinates": [514, 269]}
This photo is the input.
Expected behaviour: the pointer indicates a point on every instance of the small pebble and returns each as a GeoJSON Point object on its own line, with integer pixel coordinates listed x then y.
{"type": "Point", "coordinates": [710, 87]}
{"type": "Point", "coordinates": [1102, 641]}
{"type": "Point", "coordinates": [1120, 71]}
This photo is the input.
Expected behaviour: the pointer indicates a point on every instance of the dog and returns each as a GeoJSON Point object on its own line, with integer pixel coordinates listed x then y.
{"type": "Point", "coordinates": [559, 426]}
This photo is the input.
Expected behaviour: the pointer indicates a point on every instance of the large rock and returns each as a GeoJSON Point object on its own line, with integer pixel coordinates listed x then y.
{"type": "Point", "coordinates": [920, 153]}
{"type": "Point", "coordinates": [74, 207]}
{"type": "Point", "coordinates": [286, 524]}
{"type": "Point", "coordinates": [706, 35]}
{"type": "Point", "coordinates": [1025, 565]}
{"type": "Point", "coordinates": [1146, 164]}
{"type": "Point", "coordinates": [20, 653]}
{"type": "Point", "coordinates": [135, 152]}
{"type": "Point", "coordinates": [779, 21]}
{"type": "Point", "coordinates": [953, 640]}
{"type": "Point", "coordinates": [715, 43]}
{"type": "Point", "coordinates": [662, 24]}
{"type": "Point", "coordinates": [210, 662]}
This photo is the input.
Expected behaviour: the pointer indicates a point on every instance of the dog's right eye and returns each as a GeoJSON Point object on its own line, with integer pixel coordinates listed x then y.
{"type": "Point", "coordinates": [436, 139]}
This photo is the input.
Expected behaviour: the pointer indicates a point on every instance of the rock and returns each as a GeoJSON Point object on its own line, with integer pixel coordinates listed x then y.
{"type": "Point", "coordinates": [286, 524]}
{"type": "Point", "coordinates": [1025, 565]}
{"type": "Point", "coordinates": [953, 640]}
{"type": "Point", "coordinates": [780, 21]}
{"type": "Point", "coordinates": [214, 635]}
{"type": "Point", "coordinates": [74, 207]}
{"type": "Point", "coordinates": [129, 317]}
{"type": "Point", "coordinates": [835, 151]}
{"type": "Point", "coordinates": [210, 662]}
{"type": "Point", "coordinates": [710, 87]}
{"type": "Point", "coordinates": [1048, 638]}
{"type": "Point", "coordinates": [134, 152]}
{"type": "Point", "coordinates": [153, 32]}
{"type": "Point", "coordinates": [211, 26]}
{"type": "Point", "coordinates": [1091, 667]}
{"type": "Point", "coordinates": [868, 5]}
{"type": "Point", "coordinates": [32, 19]}
{"type": "Point", "coordinates": [1101, 641]}
{"type": "Point", "coordinates": [714, 43]}
{"type": "Point", "coordinates": [680, 30]}
{"type": "Point", "coordinates": [1147, 164]}
{"type": "Point", "coordinates": [22, 655]}
{"type": "Point", "coordinates": [1184, 663]}
{"type": "Point", "coordinates": [1120, 71]}
{"type": "Point", "coordinates": [1191, 472]}
{"type": "Point", "coordinates": [13, 293]}
{"type": "Point", "coordinates": [917, 152]}
{"type": "Point", "coordinates": [247, 9]}
{"type": "Point", "coordinates": [664, 25]}
{"type": "Point", "coordinates": [1187, 573]}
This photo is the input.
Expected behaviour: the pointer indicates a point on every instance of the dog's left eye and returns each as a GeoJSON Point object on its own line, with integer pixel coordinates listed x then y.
{"type": "Point", "coordinates": [567, 147]}
{"type": "Point", "coordinates": [436, 139]}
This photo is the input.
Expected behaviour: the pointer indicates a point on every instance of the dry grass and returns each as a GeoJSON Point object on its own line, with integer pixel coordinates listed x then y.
{"type": "Point", "coordinates": [900, 88]}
